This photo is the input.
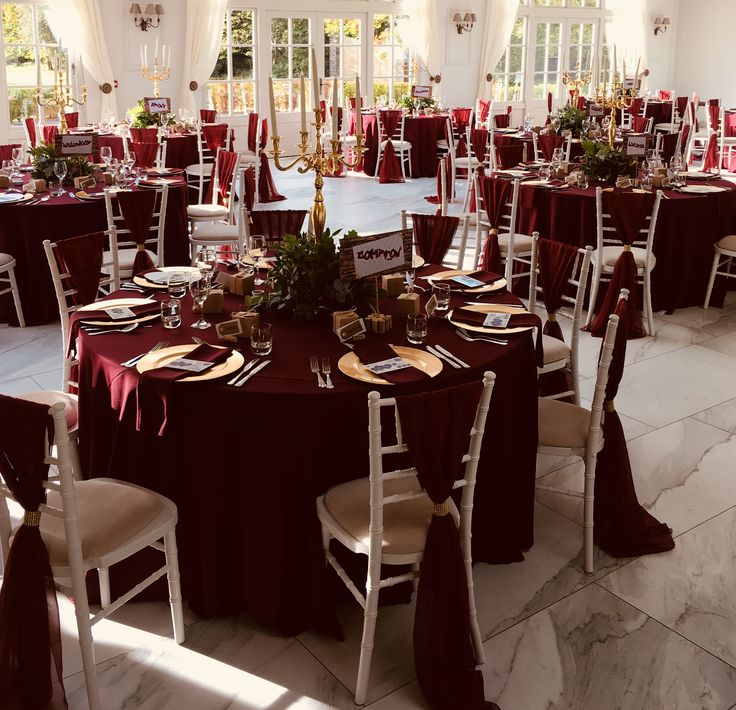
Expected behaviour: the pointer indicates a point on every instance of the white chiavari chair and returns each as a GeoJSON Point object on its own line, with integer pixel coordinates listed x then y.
{"type": "Point", "coordinates": [725, 252]}
{"type": "Point", "coordinates": [539, 155]}
{"type": "Point", "coordinates": [222, 234]}
{"type": "Point", "coordinates": [402, 147]}
{"type": "Point", "coordinates": [461, 238]}
{"type": "Point", "coordinates": [212, 211]}
{"type": "Point", "coordinates": [7, 276]}
{"type": "Point", "coordinates": [197, 173]}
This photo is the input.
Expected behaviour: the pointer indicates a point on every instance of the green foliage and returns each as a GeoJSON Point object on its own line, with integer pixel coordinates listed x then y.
{"type": "Point", "coordinates": [140, 118]}
{"type": "Point", "coordinates": [571, 119]}
{"type": "Point", "coordinates": [407, 101]}
{"type": "Point", "coordinates": [43, 157]}
{"type": "Point", "coordinates": [306, 277]}
{"type": "Point", "coordinates": [602, 162]}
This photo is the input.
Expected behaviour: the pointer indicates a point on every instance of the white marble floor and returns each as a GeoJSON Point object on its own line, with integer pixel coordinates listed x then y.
{"type": "Point", "coordinates": [654, 633]}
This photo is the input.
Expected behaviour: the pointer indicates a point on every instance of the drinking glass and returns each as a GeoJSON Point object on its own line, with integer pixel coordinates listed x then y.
{"type": "Point", "coordinates": [261, 339]}
{"type": "Point", "coordinates": [555, 123]}
{"type": "Point", "coordinates": [256, 251]}
{"type": "Point", "coordinates": [130, 159]}
{"type": "Point", "coordinates": [17, 154]}
{"type": "Point", "coordinates": [177, 284]}
{"type": "Point", "coordinates": [545, 172]}
{"type": "Point", "coordinates": [207, 262]}
{"type": "Point", "coordinates": [200, 289]}
{"type": "Point", "coordinates": [646, 181]}
{"type": "Point", "coordinates": [60, 170]}
{"type": "Point", "coordinates": [106, 155]}
{"type": "Point", "coordinates": [416, 328]}
{"type": "Point", "coordinates": [120, 177]}
{"type": "Point", "coordinates": [171, 313]}
{"type": "Point", "coordinates": [55, 187]}
{"type": "Point", "coordinates": [442, 293]}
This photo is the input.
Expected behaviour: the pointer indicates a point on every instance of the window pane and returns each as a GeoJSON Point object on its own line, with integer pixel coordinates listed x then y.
{"type": "Point", "coordinates": [400, 88]}
{"type": "Point", "coordinates": [515, 87]}
{"type": "Point", "coordinates": [279, 30]}
{"type": "Point", "coordinates": [300, 62]}
{"type": "Point", "coordinates": [22, 103]}
{"type": "Point", "coordinates": [241, 24]}
{"type": "Point", "coordinates": [539, 59]}
{"type": "Point", "coordinates": [281, 95]}
{"type": "Point", "coordinates": [17, 23]}
{"type": "Point", "coordinates": [515, 59]}
{"type": "Point", "coordinates": [48, 57]}
{"type": "Point", "coordinates": [380, 88]}
{"type": "Point", "coordinates": [554, 33]}
{"type": "Point", "coordinates": [242, 63]}
{"type": "Point", "coordinates": [20, 66]}
{"type": "Point", "coordinates": [351, 31]}
{"type": "Point", "coordinates": [381, 62]}
{"type": "Point", "coordinates": [332, 31]}
{"type": "Point", "coordinates": [220, 70]}
{"type": "Point", "coordinates": [539, 89]}
{"type": "Point", "coordinates": [45, 35]}
{"type": "Point", "coordinates": [401, 29]}
{"type": "Point", "coordinates": [381, 29]}
{"type": "Point", "coordinates": [332, 61]}
{"type": "Point", "coordinates": [501, 66]}
{"type": "Point", "coordinates": [243, 97]}
{"type": "Point", "coordinates": [575, 34]}
{"type": "Point", "coordinates": [401, 62]}
{"type": "Point", "coordinates": [218, 96]}
{"type": "Point", "coordinates": [541, 33]}
{"type": "Point", "coordinates": [517, 35]}
{"type": "Point", "coordinates": [300, 31]}
{"type": "Point", "coordinates": [280, 62]}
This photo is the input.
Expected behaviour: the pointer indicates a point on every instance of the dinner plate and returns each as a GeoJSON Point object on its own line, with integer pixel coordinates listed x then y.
{"type": "Point", "coordinates": [159, 358]}
{"type": "Point", "coordinates": [157, 182]}
{"type": "Point", "coordinates": [513, 173]}
{"type": "Point", "coordinates": [349, 364]}
{"type": "Point", "coordinates": [417, 262]}
{"type": "Point", "coordinates": [701, 189]}
{"type": "Point", "coordinates": [164, 280]}
{"type": "Point", "coordinates": [90, 196]}
{"type": "Point", "coordinates": [545, 184]}
{"type": "Point", "coordinates": [118, 303]}
{"type": "Point", "coordinates": [497, 286]}
{"type": "Point", "coordinates": [491, 308]}
{"type": "Point", "coordinates": [695, 175]}
{"type": "Point", "coordinates": [8, 198]}
{"type": "Point", "coordinates": [163, 172]}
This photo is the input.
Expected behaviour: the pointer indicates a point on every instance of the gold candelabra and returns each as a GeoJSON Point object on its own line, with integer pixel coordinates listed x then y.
{"type": "Point", "coordinates": [619, 98]}
{"type": "Point", "coordinates": [321, 162]}
{"type": "Point", "coordinates": [61, 96]}
{"type": "Point", "coordinates": [575, 80]}
{"type": "Point", "coordinates": [156, 75]}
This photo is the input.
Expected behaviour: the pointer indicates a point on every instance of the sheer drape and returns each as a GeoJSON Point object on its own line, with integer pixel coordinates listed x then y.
{"type": "Point", "coordinates": [423, 36]}
{"type": "Point", "coordinates": [500, 17]}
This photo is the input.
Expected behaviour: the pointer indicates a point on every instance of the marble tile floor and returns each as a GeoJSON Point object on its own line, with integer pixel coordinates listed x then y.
{"type": "Point", "coordinates": [658, 632]}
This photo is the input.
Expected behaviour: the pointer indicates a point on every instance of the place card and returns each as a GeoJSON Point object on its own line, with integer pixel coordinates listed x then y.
{"type": "Point", "coordinates": [119, 313]}
{"type": "Point", "coordinates": [229, 328]}
{"type": "Point", "coordinates": [468, 281]}
{"type": "Point", "coordinates": [431, 306]}
{"type": "Point", "coordinates": [391, 365]}
{"type": "Point", "coordinates": [351, 330]}
{"type": "Point", "coordinates": [497, 320]}
{"type": "Point", "coordinates": [184, 363]}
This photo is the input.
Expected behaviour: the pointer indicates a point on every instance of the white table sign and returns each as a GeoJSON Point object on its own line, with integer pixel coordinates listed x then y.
{"type": "Point", "coordinates": [76, 143]}
{"type": "Point", "coordinates": [636, 145]}
{"type": "Point", "coordinates": [378, 254]}
{"type": "Point", "coordinates": [157, 105]}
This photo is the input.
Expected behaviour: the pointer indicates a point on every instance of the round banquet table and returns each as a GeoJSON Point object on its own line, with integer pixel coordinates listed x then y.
{"type": "Point", "coordinates": [245, 465]}
{"type": "Point", "coordinates": [687, 227]}
{"type": "Point", "coordinates": [502, 138]}
{"type": "Point", "coordinates": [422, 132]}
{"type": "Point", "coordinates": [23, 228]}
{"type": "Point", "coordinates": [181, 148]}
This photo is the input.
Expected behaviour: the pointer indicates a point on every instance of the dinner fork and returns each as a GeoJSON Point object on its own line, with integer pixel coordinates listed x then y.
{"type": "Point", "coordinates": [475, 338]}
{"type": "Point", "coordinates": [314, 367]}
{"type": "Point", "coordinates": [327, 369]}
{"type": "Point", "coordinates": [158, 346]}
{"type": "Point", "coordinates": [104, 331]}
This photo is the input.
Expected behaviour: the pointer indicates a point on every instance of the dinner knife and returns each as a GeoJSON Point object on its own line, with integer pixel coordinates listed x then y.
{"type": "Point", "coordinates": [255, 370]}
{"type": "Point", "coordinates": [234, 380]}
{"type": "Point", "coordinates": [438, 354]}
{"type": "Point", "coordinates": [454, 357]}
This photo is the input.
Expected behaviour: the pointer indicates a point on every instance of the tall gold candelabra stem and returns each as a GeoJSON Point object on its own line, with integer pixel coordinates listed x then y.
{"type": "Point", "coordinates": [321, 163]}
{"type": "Point", "coordinates": [619, 98]}
{"type": "Point", "coordinates": [156, 76]}
{"type": "Point", "coordinates": [61, 98]}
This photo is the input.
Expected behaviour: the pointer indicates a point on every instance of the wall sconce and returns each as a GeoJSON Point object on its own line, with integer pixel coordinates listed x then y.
{"type": "Point", "coordinates": [464, 23]}
{"type": "Point", "coordinates": [145, 19]}
{"type": "Point", "coordinates": [661, 24]}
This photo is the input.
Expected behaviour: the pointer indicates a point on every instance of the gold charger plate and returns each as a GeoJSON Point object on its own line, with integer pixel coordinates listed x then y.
{"type": "Point", "coordinates": [118, 303]}
{"type": "Point", "coordinates": [417, 262]}
{"type": "Point", "coordinates": [143, 281]}
{"type": "Point", "coordinates": [14, 198]}
{"type": "Point", "coordinates": [157, 182]}
{"type": "Point", "coordinates": [496, 286]}
{"type": "Point", "coordinates": [90, 197]}
{"type": "Point", "coordinates": [349, 364]}
{"type": "Point", "coordinates": [491, 308]}
{"type": "Point", "coordinates": [157, 359]}
{"type": "Point", "coordinates": [545, 183]}
{"type": "Point", "coordinates": [701, 189]}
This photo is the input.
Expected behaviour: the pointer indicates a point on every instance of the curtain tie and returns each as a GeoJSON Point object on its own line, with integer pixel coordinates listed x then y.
{"type": "Point", "coordinates": [551, 317]}
{"type": "Point", "coordinates": [608, 406]}
{"type": "Point", "coordinates": [494, 230]}
{"type": "Point", "coordinates": [627, 247]}
{"type": "Point", "coordinates": [441, 509]}
{"type": "Point", "coordinates": [140, 247]}
{"type": "Point", "coordinates": [32, 518]}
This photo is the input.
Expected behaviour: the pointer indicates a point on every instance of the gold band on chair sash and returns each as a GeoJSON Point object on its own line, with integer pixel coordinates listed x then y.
{"type": "Point", "coordinates": [551, 317]}
{"type": "Point", "coordinates": [441, 509]}
{"type": "Point", "coordinates": [32, 518]}
{"type": "Point", "coordinates": [494, 230]}
{"type": "Point", "coordinates": [627, 247]}
{"type": "Point", "coordinates": [608, 406]}
{"type": "Point", "coordinates": [140, 247]}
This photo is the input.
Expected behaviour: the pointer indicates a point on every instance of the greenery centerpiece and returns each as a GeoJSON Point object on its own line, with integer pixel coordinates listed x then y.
{"type": "Point", "coordinates": [306, 277]}
{"type": "Point", "coordinates": [571, 119]}
{"type": "Point", "coordinates": [140, 118]}
{"type": "Point", "coordinates": [408, 101]}
{"type": "Point", "coordinates": [43, 157]}
{"type": "Point", "coordinates": [602, 162]}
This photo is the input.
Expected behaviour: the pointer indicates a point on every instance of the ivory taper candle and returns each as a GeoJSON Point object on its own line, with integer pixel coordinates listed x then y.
{"type": "Point", "coordinates": [335, 109]}
{"type": "Point", "coordinates": [274, 131]}
{"type": "Point", "coordinates": [315, 81]}
{"type": "Point", "coordinates": [303, 96]}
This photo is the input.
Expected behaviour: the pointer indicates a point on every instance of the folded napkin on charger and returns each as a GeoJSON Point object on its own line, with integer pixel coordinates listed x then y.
{"type": "Point", "coordinates": [377, 352]}
{"type": "Point", "coordinates": [145, 309]}
{"type": "Point", "coordinates": [153, 388]}
{"type": "Point", "coordinates": [487, 277]}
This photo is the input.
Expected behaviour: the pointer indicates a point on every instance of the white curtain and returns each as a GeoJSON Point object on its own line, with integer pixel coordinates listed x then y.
{"type": "Point", "coordinates": [423, 37]}
{"type": "Point", "coordinates": [499, 23]}
{"type": "Point", "coordinates": [202, 40]}
{"type": "Point", "coordinates": [78, 24]}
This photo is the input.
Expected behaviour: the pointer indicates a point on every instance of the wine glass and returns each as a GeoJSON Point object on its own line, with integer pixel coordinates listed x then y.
{"type": "Point", "coordinates": [17, 154]}
{"type": "Point", "coordinates": [207, 262]}
{"type": "Point", "coordinates": [555, 123]}
{"type": "Point", "coordinates": [60, 170]}
{"type": "Point", "coordinates": [257, 251]}
{"type": "Point", "coordinates": [129, 159]}
{"type": "Point", "coordinates": [106, 156]}
{"type": "Point", "coordinates": [200, 289]}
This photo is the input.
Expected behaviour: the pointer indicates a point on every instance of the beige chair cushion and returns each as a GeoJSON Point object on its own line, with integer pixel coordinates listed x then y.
{"type": "Point", "coordinates": [728, 243]}
{"type": "Point", "coordinates": [197, 170]}
{"type": "Point", "coordinates": [405, 524]}
{"type": "Point", "coordinates": [126, 257]}
{"type": "Point", "coordinates": [49, 397]}
{"type": "Point", "coordinates": [109, 513]}
{"type": "Point", "coordinates": [611, 254]}
{"type": "Point", "coordinates": [6, 260]}
{"type": "Point", "coordinates": [443, 144]}
{"type": "Point", "coordinates": [397, 144]}
{"type": "Point", "coordinates": [208, 211]}
{"type": "Point", "coordinates": [350, 140]}
{"type": "Point", "coordinates": [215, 231]}
{"type": "Point", "coordinates": [464, 162]}
{"type": "Point", "coordinates": [554, 349]}
{"type": "Point", "coordinates": [522, 243]}
{"type": "Point", "coordinates": [562, 424]}
{"type": "Point", "coordinates": [249, 158]}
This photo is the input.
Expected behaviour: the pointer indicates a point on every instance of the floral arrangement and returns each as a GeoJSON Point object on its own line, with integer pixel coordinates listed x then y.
{"type": "Point", "coordinates": [43, 157]}
{"type": "Point", "coordinates": [306, 277]}
{"type": "Point", "coordinates": [140, 118]}
{"type": "Point", "coordinates": [603, 162]}
{"type": "Point", "coordinates": [571, 119]}
{"type": "Point", "coordinates": [407, 101]}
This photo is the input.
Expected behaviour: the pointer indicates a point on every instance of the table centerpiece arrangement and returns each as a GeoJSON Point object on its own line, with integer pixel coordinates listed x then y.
{"type": "Point", "coordinates": [138, 117]}
{"type": "Point", "coordinates": [570, 118]}
{"type": "Point", "coordinates": [43, 157]}
{"type": "Point", "coordinates": [603, 162]}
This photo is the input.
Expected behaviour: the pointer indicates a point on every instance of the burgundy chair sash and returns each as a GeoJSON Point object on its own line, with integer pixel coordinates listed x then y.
{"type": "Point", "coordinates": [433, 235]}
{"type": "Point", "coordinates": [668, 145]}
{"type": "Point", "coordinates": [635, 108]}
{"type": "Point", "coordinates": [72, 119]}
{"type": "Point", "coordinates": [508, 156]}
{"type": "Point", "coordinates": [30, 640]}
{"type": "Point", "coordinates": [136, 209]}
{"type": "Point", "coordinates": [503, 120]}
{"type": "Point", "coordinates": [267, 191]}
{"type": "Point", "coordinates": [252, 131]}
{"type": "Point", "coordinates": [479, 142]}
{"type": "Point", "coordinates": [681, 105]}
{"type": "Point", "coordinates": [145, 153]}
{"type": "Point", "coordinates": [224, 167]}
{"type": "Point", "coordinates": [6, 151]}
{"type": "Point", "coordinates": [495, 194]}
{"type": "Point", "coordinates": [274, 224]}
{"type": "Point", "coordinates": [461, 121]}
{"type": "Point", "coordinates": [622, 527]}
{"type": "Point", "coordinates": [547, 144]}
{"type": "Point", "coordinates": [714, 111]}
{"type": "Point", "coordinates": [249, 187]}
{"type": "Point", "coordinates": [710, 160]}
{"type": "Point", "coordinates": [31, 128]}
{"type": "Point", "coordinates": [49, 133]}
{"type": "Point", "coordinates": [81, 258]}
{"type": "Point", "coordinates": [144, 135]}
{"type": "Point", "coordinates": [549, 102]}
{"type": "Point", "coordinates": [484, 106]}
{"type": "Point", "coordinates": [639, 124]}
{"type": "Point", "coordinates": [390, 168]}
{"type": "Point", "coordinates": [446, 160]}
{"type": "Point", "coordinates": [207, 115]}
{"type": "Point", "coordinates": [215, 136]}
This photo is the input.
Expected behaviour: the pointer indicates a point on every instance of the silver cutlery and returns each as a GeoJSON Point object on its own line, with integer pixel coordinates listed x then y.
{"type": "Point", "coordinates": [438, 354]}
{"type": "Point", "coordinates": [243, 372]}
{"type": "Point", "coordinates": [314, 367]}
{"type": "Point", "coordinates": [481, 338]}
{"type": "Point", "coordinates": [327, 369]}
{"type": "Point", "coordinates": [132, 362]}
{"type": "Point", "coordinates": [505, 305]}
{"type": "Point", "coordinates": [454, 357]}
{"type": "Point", "coordinates": [255, 370]}
{"type": "Point", "coordinates": [103, 330]}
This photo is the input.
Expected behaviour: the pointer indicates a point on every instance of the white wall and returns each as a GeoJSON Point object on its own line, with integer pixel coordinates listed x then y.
{"type": "Point", "coordinates": [662, 49]}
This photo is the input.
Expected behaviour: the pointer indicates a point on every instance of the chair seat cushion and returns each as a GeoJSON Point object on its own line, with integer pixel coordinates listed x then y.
{"type": "Point", "coordinates": [555, 349]}
{"type": "Point", "coordinates": [667, 126]}
{"type": "Point", "coordinates": [405, 524]}
{"type": "Point", "coordinates": [126, 257]}
{"type": "Point", "coordinates": [728, 243]}
{"type": "Point", "coordinates": [49, 397]}
{"type": "Point", "coordinates": [6, 260]}
{"type": "Point", "coordinates": [199, 169]}
{"type": "Point", "coordinates": [522, 243]}
{"type": "Point", "coordinates": [443, 144]}
{"type": "Point", "coordinates": [109, 513]}
{"type": "Point", "coordinates": [464, 162]}
{"type": "Point", "coordinates": [215, 231]}
{"type": "Point", "coordinates": [207, 211]}
{"type": "Point", "coordinates": [611, 254]}
{"type": "Point", "coordinates": [562, 424]}
{"type": "Point", "coordinates": [397, 144]}
{"type": "Point", "coordinates": [250, 158]}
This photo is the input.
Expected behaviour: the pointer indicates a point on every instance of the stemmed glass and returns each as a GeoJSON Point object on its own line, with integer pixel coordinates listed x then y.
{"type": "Point", "coordinates": [17, 154]}
{"type": "Point", "coordinates": [200, 289]}
{"type": "Point", "coordinates": [555, 123]}
{"type": "Point", "coordinates": [207, 262]}
{"type": "Point", "coordinates": [257, 251]}
{"type": "Point", "coordinates": [106, 156]}
{"type": "Point", "coordinates": [60, 170]}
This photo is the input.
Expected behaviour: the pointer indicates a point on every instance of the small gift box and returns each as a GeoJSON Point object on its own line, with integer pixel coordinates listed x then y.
{"type": "Point", "coordinates": [562, 172]}
{"type": "Point", "coordinates": [30, 187]}
{"type": "Point", "coordinates": [659, 172]}
{"type": "Point", "coordinates": [660, 181]}
{"type": "Point", "coordinates": [342, 318]}
{"type": "Point", "coordinates": [214, 302]}
{"type": "Point", "coordinates": [84, 183]}
{"type": "Point", "coordinates": [247, 320]}
{"type": "Point", "coordinates": [572, 178]}
{"type": "Point", "coordinates": [4, 181]}
{"type": "Point", "coordinates": [378, 322]}
{"type": "Point", "coordinates": [407, 304]}
{"type": "Point", "coordinates": [392, 284]}
{"type": "Point", "coordinates": [242, 283]}
{"type": "Point", "coordinates": [623, 182]}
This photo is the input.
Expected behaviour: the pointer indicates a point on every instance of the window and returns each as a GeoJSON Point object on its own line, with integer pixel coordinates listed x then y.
{"type": "Point", "coordinates": [580, 50]}
{"type": "Point", "coordinates": [31, 55]}
{"type": "Point", "coordinates": [391, 59]}
{"type": "Point", "coordinates": [232, 86]}
{"type": "Point", "coordinates": [508, 77]}
{"type": "Point", "coordinates": [547, 51]}
{"type": "Point", "coordinates": [342, 54]}
{"type": "Point", "coordinates": [290, 45]}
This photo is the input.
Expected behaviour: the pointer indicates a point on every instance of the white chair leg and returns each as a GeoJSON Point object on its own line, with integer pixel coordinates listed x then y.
{"type": "Point", "coordinates": [366, 644]}
{"type": "Point", "coordinates": [648, 301]}
{"type": "Point", "coordinates": [711, 280]}
{"type": "Point", "coordinates": [480, 656]}
{"type": "Point", "coordinates": [588, 508]}
{"type": "Point", "coordinates": [86, 642]}
{"type": "Point", "coordinates": [415, 568]}
{"type": "Point", "coordinates": [172, 575]}
{"type": "Point", "coordinates": [409, 158]}
{"type": "Point", "coordinates": [74, 455]}
{"type": "Point", "coordinates": [104, 576]}
{"type": "Point", "coordinates": [16, 298]}
{"type": "Point", "coordinates": [403, 164]}
{"type": "Point", "coordinates": [595, 283]}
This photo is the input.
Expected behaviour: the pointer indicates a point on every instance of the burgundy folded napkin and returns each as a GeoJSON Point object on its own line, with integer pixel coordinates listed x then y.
{"type": "Point", "coordinates": [487, 277]}
{"type": "Point", "coordinates": [152, 391]}
{"type": "Point", "coordinates": [368, 354]}
{"type": "Point", "coordinates": [501, 298]}
{"type": "Point", "coordinates": [145, 309]}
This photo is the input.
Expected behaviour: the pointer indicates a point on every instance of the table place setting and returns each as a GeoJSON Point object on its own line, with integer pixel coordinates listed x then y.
{"type": "Point", "coordinates": [468, 281]}
{"type": "Point", "coordinates": [388, 364]}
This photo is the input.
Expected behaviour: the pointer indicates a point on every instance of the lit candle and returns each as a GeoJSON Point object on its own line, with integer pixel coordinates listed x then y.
{"type": "Point", "coordinates": [624, 71]}
{"type": "Point", "coordinates": [169, 64]}
{"type": "Point", "coordinates": [141, 48]}
{"type": "Point", "coordinates": [335, 109]}
{"type": "Point", "coordinates": [615, 63]}
{"type": "Point", "coordinates": [274, 132]}
{"type": "Point", "coordinates": [145, 55]}
{"type": "Point", "coordinates": [315, 82]}
{"type": "Point", "coordinates": [358, 117]}
{"type": "Point", "coordinates": [155, 52]}
{"type": "Point", "coordinates": [636, 76]}
{"type": "Point", "coordinates": [303, 106]}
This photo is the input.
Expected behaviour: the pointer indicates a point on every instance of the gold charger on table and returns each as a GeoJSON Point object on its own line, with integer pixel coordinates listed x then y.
{"type": "Point", "coordinates": [143, 281]}
{"type": "Point", "coordinates": [701, 189]}
{"type": "Point", "coordinates": [349, 364]}
{"type": "Point", "coordinates": [443, 275]}
{"type": "Point", "coordinates": [152, 361]}
{"type": "Point", "coordinates": [90, 196]}
{"type": "Point", "coordinates": [491, 308]}
{"type": "Point", "coordinates": [158, 182]}
{"type": "Point", "coordinates": [118, 303]}
{"type": "Point", "coordinates": [14, 198]}
{"type": "Point", "coordinates": [417, 262]}
{"type": "Point", "coordinates": [545, 184]}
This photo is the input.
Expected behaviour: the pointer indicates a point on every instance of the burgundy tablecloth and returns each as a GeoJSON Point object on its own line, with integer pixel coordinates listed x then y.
{"type": "Point", "coordinates": [23, 229]}
{"type": "Point", "coordinates": [245, 466]}
{"type": "Point", "coordinates": [660, 111]}
{"type": "Point", "coordinates": [502, 139]}
{"type": "Point", "coordinates": [687, 228]}
{"type": "Point", "coordinates": [422, 132]}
